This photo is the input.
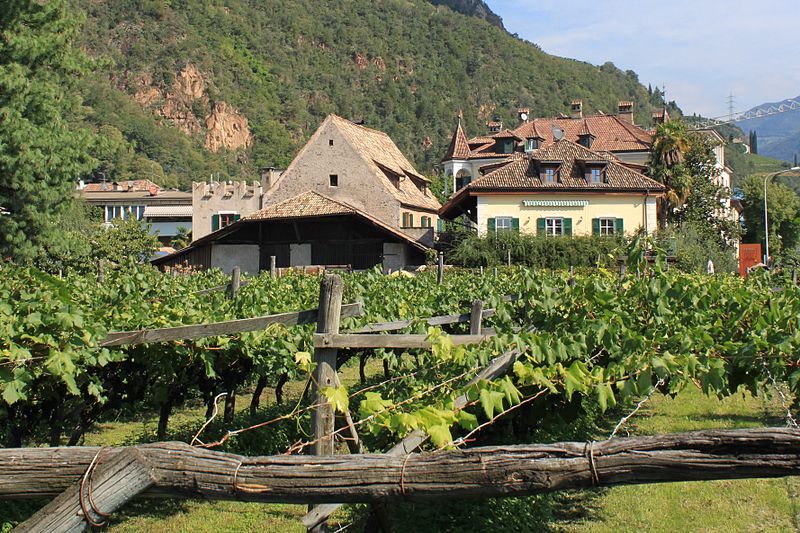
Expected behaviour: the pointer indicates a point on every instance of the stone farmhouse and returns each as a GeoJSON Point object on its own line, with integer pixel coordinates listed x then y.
{"type": "Point", "coordinates": [349, 197]}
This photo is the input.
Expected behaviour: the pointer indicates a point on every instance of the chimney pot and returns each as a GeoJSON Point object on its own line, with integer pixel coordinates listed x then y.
{"type": "Point", "coordinates": [577, 109]}
{"type": "Point", "coordinates": [625, 109]}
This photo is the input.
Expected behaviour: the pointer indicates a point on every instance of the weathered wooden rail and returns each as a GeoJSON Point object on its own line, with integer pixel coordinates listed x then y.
{"type": "Point", "coordinates": [178, 470]}
{"type": "Point", "coordinates": [229, 327]}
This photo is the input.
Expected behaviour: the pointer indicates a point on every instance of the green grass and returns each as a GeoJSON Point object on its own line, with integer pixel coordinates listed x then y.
{"type": "Point", "coordinates": [737, 505]}
{"type": "Point", "coordinates": [740, 505]}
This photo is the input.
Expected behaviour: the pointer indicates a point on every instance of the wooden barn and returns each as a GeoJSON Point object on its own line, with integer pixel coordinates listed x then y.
{"type": "Point", "coordinates": [308, 229]}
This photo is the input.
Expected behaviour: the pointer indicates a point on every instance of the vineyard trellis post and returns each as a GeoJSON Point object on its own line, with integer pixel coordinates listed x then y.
{"type": "Point", "coordinates": [440, 269]}
{"type": "Point", "coordinates": [328, 320]}
{"type": "Point", "coordinates": [476, 318]}
{"type": "Point", "coordinates": [273, 269]}
{"type": "Point", "coordinates": [236, 276]}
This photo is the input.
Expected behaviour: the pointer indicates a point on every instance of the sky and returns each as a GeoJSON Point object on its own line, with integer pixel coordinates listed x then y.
{"type": "Point", "coordinates": [700, 50]}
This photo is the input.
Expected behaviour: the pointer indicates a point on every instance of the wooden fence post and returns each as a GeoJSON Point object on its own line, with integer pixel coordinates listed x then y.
{"type": "Point", "coordinates": [508, 252]}
{"type": "Point", "coordinates": [440, 270]}
{"type": "Point", "coordinates": [236, 277]}
{"type": "Point", "coordinates": [476, 318]}
{"type": "Point", "coordinates": [323, 420]}
{"type": "Point", "coordinates": [273, 270]}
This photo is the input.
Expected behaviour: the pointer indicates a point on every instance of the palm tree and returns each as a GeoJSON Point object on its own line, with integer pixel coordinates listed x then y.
{"type": "Point", "coordinates": [670, 143]}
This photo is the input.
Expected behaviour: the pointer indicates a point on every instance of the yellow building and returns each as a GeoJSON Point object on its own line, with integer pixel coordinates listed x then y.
{"type": "Point", "coordinates": [561, 189]}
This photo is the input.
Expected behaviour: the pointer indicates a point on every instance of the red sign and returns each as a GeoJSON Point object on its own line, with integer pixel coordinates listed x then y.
{"type": "Point", "coordinates": [749, 255]}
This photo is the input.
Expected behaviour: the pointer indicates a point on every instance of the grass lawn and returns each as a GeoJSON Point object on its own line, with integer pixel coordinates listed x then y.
{"type": "Point", "coordinates": [742, 505]}
{"type": "Point", "coordinates": [739, 505]}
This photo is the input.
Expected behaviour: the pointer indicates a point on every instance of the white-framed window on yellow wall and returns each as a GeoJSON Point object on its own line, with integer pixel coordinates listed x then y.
{"type": "Point", "coordinates": [554, 226]}
{"type": "Point", "coordinates": [607, 226]}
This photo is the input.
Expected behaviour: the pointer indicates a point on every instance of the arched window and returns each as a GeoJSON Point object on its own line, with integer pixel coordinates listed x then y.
{"type": "Point", "coordinates": [463, 178]}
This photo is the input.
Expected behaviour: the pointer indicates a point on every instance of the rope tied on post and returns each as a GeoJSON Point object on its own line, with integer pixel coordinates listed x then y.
{"type": "Point", "coordinates": [86, 482]}
{"type": "Point", "coordinates": [589, 453]}
{"type": "Point", "coordinates": [403, 475]}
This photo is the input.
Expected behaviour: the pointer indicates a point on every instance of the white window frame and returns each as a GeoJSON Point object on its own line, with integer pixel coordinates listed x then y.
{"type": "Point", "coordinates": [550, 175]}
{"type": "Point", "coordinates": [225, 213]}
{"type": "Point", "coordinates": [596, 172]}
{"type": "Point", "coordinates": [608, 225]}
{"type": "Point", "coordinates": [503, 224]}
{"type": "Point", "coordinates": [554, 226]}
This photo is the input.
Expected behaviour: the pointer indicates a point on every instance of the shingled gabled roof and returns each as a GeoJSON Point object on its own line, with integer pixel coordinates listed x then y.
{"type": "Point", "coordinates": [307, 204]}
{"type": "Point", "coordinates": [378, 149]}
{"type": "Point", "coordinates": [572, 159]}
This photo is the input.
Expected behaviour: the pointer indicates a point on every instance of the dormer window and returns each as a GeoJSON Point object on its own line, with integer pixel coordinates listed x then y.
{"type": "Point", "coordinates": [549, 175]}
{"type": "Point", "coordinates": [586, 140]}
{"type": "Point", "coordinates": [594, 172]}
{"type": "Point", "coordinates": [531, 144]}
{"type": "Point", "coordinates": [505, 146]}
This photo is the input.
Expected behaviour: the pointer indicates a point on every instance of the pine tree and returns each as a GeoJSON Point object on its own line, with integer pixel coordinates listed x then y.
{"type": "Point", "coordinates": [41, 154]}
{"type": "Point", "coordinates": [754, 143]}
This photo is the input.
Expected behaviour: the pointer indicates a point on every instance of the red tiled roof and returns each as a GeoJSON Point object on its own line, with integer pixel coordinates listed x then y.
{"type": "Point", "coordinates": [611, 133]}
{"type": "Point", "coordinates": [459, 147]}
{"type": "Point", "coordinates": [120, 186]}
{"type": "Point", "coordinates": [505, 134]}
{"type": "Point", "coordinates": [524, 173]}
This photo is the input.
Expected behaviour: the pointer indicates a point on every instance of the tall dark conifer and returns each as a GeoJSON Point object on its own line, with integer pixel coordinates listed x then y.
{"type": "Point", "coordinates": [41, 154]}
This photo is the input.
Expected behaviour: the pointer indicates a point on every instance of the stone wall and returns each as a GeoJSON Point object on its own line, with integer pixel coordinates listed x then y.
{"type": "Point", "coordinates": [357, 183]}
{"type": "Point", "coordinates": [209, 199]}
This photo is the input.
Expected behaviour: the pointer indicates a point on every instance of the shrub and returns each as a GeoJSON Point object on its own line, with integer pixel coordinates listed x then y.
{"type": "Point", "coordinates": [534, 251]}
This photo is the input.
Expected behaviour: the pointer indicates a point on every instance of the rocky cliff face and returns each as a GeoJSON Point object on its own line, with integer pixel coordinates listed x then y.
{"type": "Point", "coordinates": [224, 126]}
{"type": "Point", "coordinates": [227, 128]}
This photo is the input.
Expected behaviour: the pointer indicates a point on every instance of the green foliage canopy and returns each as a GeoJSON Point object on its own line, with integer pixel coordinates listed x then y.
{"type": "Point", "coordinates": [42, 152]}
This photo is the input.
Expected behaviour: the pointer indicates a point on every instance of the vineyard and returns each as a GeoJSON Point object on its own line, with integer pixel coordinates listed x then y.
{"type": "Point", "coordinates": [506, 357]}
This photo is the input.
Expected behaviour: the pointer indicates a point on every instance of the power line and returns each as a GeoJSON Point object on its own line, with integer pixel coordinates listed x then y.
{"type": "Point", "coordinates": [757, 112]}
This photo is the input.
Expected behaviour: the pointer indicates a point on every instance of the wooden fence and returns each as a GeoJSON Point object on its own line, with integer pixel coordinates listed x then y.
{"type": "Point", "coordinates": [91, 483]}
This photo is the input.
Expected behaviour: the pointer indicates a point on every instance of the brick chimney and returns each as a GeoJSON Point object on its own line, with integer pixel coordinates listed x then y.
{"type": "Point", "coordinates": [577, 109]}
{"type": "Point", "coordinates": [626, 111]}
{"type": "Point", "coordinates": [495, 125]}
{"type": "Point", "coordinates": [660, 117]}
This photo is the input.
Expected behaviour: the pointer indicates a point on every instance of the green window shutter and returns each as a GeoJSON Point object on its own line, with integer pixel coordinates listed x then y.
{"type": "Point", "coordinates": [440, 225]}
{"type": "Point", "coordinates": [490, 225]}
{"type": "Point", "coordinates": [410, 220]}
{"type": "Point", "coordinates": [595, 226]}
{"type": "Point", "coordinates": [540, 226]}
{"type": "Point", "coordinates": [567, 226]}
{"type": "Point", "coordinates": [515, 224]}
{"type": "Point", "coordinates": [405, 220]}
{"type": "Point", "coordinates": [236, 217]}
{"type": "Point", "coordinates": [618, 226]}
{"type": "Point", "coordinates": [214, 222]}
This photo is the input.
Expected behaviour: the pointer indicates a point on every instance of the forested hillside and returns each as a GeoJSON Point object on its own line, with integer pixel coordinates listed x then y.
{"type": "Point", "coordinates": [187, 88]}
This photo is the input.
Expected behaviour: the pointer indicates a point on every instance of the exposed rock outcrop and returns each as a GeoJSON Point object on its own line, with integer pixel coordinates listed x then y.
{"type": "Point", "coordinates": [224, 126]}
{"type": "Point", "coordinates": [227, 128]}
